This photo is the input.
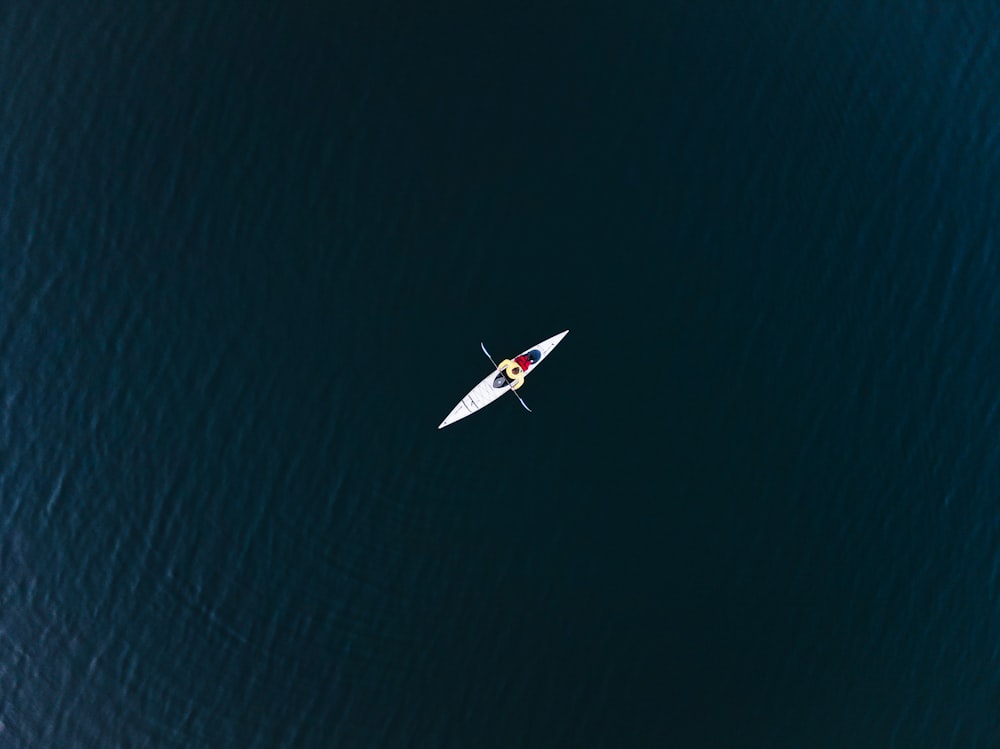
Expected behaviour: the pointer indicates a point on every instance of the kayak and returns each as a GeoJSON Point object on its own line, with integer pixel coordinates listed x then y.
{"type": "Point", "coordinates": [505, 378]}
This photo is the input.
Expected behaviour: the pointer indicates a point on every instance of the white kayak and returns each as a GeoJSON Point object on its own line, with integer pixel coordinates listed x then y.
{"type": "Point", "coordinates": [498, 382]}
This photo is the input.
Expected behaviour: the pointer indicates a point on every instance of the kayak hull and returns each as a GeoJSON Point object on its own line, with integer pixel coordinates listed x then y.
{"type": "Point", "coordinates": [495, 385]}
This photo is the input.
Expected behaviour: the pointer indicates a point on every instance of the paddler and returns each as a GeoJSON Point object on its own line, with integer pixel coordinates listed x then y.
{"type": "Point", "coordinates": [515, 369]}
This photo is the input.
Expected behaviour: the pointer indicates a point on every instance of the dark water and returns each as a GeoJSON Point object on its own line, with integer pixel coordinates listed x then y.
{"type": "Point", "coordinates": [248, 252]}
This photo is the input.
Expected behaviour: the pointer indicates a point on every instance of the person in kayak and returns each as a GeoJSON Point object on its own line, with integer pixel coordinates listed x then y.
{"type": "Point", "coordinates": [515, 369]}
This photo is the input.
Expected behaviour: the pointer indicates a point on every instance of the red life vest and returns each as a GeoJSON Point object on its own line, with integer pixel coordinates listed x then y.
{"type": "Point", "coordinates": [523, 362]}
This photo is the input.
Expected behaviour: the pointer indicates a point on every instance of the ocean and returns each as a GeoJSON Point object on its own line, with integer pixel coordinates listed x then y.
{"type": "Point", "coordinates": [248, 252]}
